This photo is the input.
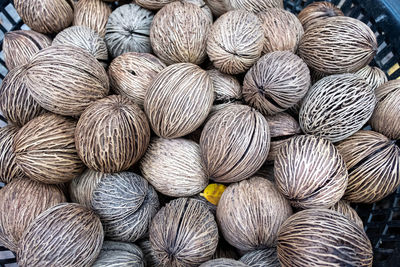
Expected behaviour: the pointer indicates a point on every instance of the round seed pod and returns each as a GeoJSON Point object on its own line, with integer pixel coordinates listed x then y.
{"type": "Point", "coordinates": [321, 237]}
{"type": "Point", "coordinates": [225, 250]}
{"type": "Point", "coordinates": [218, 7]}
{"type": "Point", "coordinates": [204, 7]}
{"type": "Point", "coordinates": [276, 82]}
{"type": "Point", "coordinates": [373, 75]}
{"type": "Point", "coordinates": [254, 6]}
{"type": "Point", "coordinates": [226, 87]}
{"type": "Point", "coordinates": [250, 213]}
{"type": "Point", "coordinates": [81, 188]}
{"type": "Point", "coordinates": [338, 45]}
{"type": "Point", "coordinates": [310, 172]}
{"type": "Point", "coordinates": [45, 149]}
{"type": "Point", "coordinates": [149, 255]}
{"type": "Point", "coordinates": [92, 14]}
{"type": "Point", "coordinates": [21, 201]}
{"type": "Point", "coordinates": [64, 235]}
{"type": "Point", "coordinates": [223, 262]}
{"type": "Point", "coordinates": [112, 134]}
{"type": "Point", "coordinates": [261, 258]}
{"type": "Point", "coordinates": [128, 30]}
{"type": "Point", "coordinates": [337, 106]}
{"type": "Point", "coordinates": [373, 163]}
{"type": "Point", "coordinates": [153, 4]}
{"type": "Point", "coordinates": [318, 11]}
{"type": "Point", "coordinates": [119, 254]}
{"type": "Point", "coordinates": [132, 73]}
{"type": "Point", "coordinates": [179, 100]}
{"type": "Point", "coordinates": [235, 41]}
{"type": "Point", "coordinates": [20, 46]}
{"type": "Point", "coordinates": [386, 119]}
{"type": "Point", "coordinates": [8, 165]}
{"type": "Point", "coordinates": [344, 208]}
{"type": "Point", "coordinates": [234, 144]}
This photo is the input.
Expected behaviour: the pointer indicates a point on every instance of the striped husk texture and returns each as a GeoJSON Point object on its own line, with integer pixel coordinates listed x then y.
{"type": "Point", "coordinates": [226, 87]}
{"type": "Point", "coordinates": [119, 254]}
{"type": "Point", "coordinates": [253, 5]}
{"type": "Point", "coordinates": [9, 168]}
{"type": "Point", "coordinates": [261, 258]}
{"type": "Point", "coordinates": [218, 7]}
{"type": "Point", "coordinates": [153, 4]}
{"type": "Point", "coordinates": [344, 208]}
{"type": "Point", "coordinates": [321, 237]}
{"type": "Point", "coordinates": [223, 262]}
{"type": "Point", "coordinates": [224, 249]}
{"type": "Point", "coordinates": [149, 255]}
{"type": "Point", "coordinates": [81, 188]}
{"type": "Point", "coordinates": [318, 11]}
{"type": "Point", "coordinates": [373, 75]}
{"type": "Point", "coordinates": [92, 14]}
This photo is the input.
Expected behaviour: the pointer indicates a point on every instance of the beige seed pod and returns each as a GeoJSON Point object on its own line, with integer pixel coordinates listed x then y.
{"type": "Point", "coordinates": [318, 11]}
{"type": "Point", "coordinates": [344, 208]}
{"type": "Point", "coordinates": [92, 14]}
{"type": "Point", "coordinates": [9, 168]}
{"type": "Point", "coordinates": [119, 254]}
{"type": "Point", "coordinates": [226, 87]}
{"type": "Point", "coordinates": [81, 188]}
{"type": "Point", "coordinates": [223, 262]}
{"type": "Point", "coordinates": [218, 7]}
{"type": "Point", "coordinates": [235, 41]}
{"type": "Point", "coordinates": [261, 258]}
{"type": "Point", "coordinates": [204, 7]}
{"type": "Point", "coordinates": [158, 4]}
{"type": "Point", "coordinates": [373, 75]}
{"type": "Point", "coordinates": [253, 5]}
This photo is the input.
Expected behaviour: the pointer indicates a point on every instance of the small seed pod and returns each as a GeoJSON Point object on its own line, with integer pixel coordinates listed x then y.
{"type": "Point", "coordinates": [318, 11]}
{"type": "Point", "coordinates": [310, 172]}
{"type": "Point", "coordinates": [64, 235]}
{"type": "Point", "coordinates": [321, 237]}
{"type": "Point", "coordinates": [92, 14]}
{"type": "Point", "coordinates": [8, 165]}
{"type": "Point", "coordinates": [337, 106]}
{"type": "Point", "coordinates": [120, 254]}
{"type": "Point", "coordinates": [132, 73]}
{"type": "Point", "coordinates": [184, 233]}
{"type": "Point", "coordinates": [225, 250]}
{"type": "Point", "coordinates": [153, 4]}
{"type": "Point", "coordinates": [386, 119]}
{"type": "Point", "coordinates": [235, 41]}
{"type": "Point", "coordinates": [234, 144]}
{"type": "Point", "coordinates": [218, 7]}
{"type": "Point", "coordinates": [128, 30]}
{"type": "Point", "coordinates": [254, 6]}
{"type": "Point", "coordinates": [276, 82]}
{"type": "Point", "coordinates": [226, 87]}
{"type": "Point", "coordinates": [223, 262]}
{"type": "Point", "coordinates": [344, 208]}
{"type": "Point", "coordinates": [149, 255]}
{"type": "Point", "coordinates": [338, 45]}
{"type": "Point", "coordinates": [261, 258]}
{"type": "Point", "coordinates": [81, 188]}
{"type": "Point", "coordinates": [373, 163]}
{"type": "Point", "coordinates": [373, 75]}
{"type": "Point", "coordinates": [20, 46]}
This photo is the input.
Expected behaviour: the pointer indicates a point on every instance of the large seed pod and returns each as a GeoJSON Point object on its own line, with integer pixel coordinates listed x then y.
{"type": "Point", "coordinates": [9, 168]}
{"type": "Point", "coordinates": [261, 258]}
{"type": "Point", "coordinates": [276, 82]}
{"type": "Point", "coordinates": [234, 144]}
{"type": "Point", "coordinates": [337, 106]}
{"type": "Point", "coordinates": [344, 208]}
{"type": "Point", "coordinates": [226, 87]}
{"type": "Point", "coordinates": [386, 119]}
{"type": "Point", "coordinates": [179, 100]}
{"type": "Point", "coordinates": [132, 73]}
{"type": "Point", "coordinates": [64, 235]}
{"type": "Point", "coordinates": [21, 201]}
{"type": "Point", "coordinates": [321, 237]}
{"type": "Point", "coordinates": [253, 5]}
{"type": "Point", "coordinates": [119, 254]}
{"type": "Point", "coordinates": [128, 30]}
{"type": "Point", "coordinates": [81, 188]}
{"type": "Point", "coordinates": [318, 11]}
{"type": "Point", "coordinates": [235, 41]}
{"type": "Point", "coordinates": [373, 75]}
{"type": "Point", "coordinates": [112, 134]}
{"type": "Point", "coordinates": [223, 262]}
{"type": "Point", "coordinates": [310, 172]}
{"type": "Point", "coordinates": [92, 14]}
{"type": "Point", "coordinates": [373, 163]}
{"type": "Point", "coordinates": [20, 46]}
{"type": "Point", "coordinates": [149, 255]}
{"type": "Point", "coordinates": [45, 149]}
{"type": "Point", "coordinates": [338, 45]}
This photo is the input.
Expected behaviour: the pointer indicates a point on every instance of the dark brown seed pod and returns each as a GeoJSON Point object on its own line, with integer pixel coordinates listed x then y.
{"type": "Point", "coordinates": [261, 258]}
{"type": "Point", "coordinates": [310, 172]}
{"type": "Point", "coordinates": [386, 119]}
{"type": "Point", "coordinates": [92, 14]}
{"type": "Point", "coordinates": [338, 45]}
{"type": "Point", "coordinates": [373, 163]}
{"type": "Point", "coordinates": [20, 46]}
{"type": "Point", "coordinates": [321, 237]}
{"type": "Point", "coordinates": [120, 254]}
{"type": "Point", "coordinates": [21, 201]}
{"type": "Point", "coordinates": [276, 82]}
{"type": "Point", "coordinates": [8, 165]}
{"type": "Point", "coordinates": [132, 73]}
{"type": "Point", "coordinates": [337, 106]}
{"type": "Point", "coordinates": [81, 188]}
{"type": "Point", "coordinates": [234, 143]}
{"type": "Point", "coordinates": [318, 11]}
{"type": "Point", "coordinates": [223, 262]}
{"type": "Point", "coordinates": [64, 235]}
{"type": "Point", "coordinates": [45, 149]}
{"type": "Point", "coordinates": [344, 208]}
{"type": "Point", "coordinates": [254, 6]}
{"type": "Point", "coordinates": [149, 255]}
{"type": "Point", "coordinates": [373, 75]}
{"type": "Point", "coordinates": [226, 87]}
{"type": "Point", "coordinates": [179, 100]}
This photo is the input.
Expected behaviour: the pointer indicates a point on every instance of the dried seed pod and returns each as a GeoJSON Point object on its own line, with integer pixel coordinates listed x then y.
{"type": "Point", "coordinates": [153, 4]}
{"type": "Point", "coordinates": [250, 213]}
{"type": "Point", "coordinates": [179, 100]}
{"type": "Point", "coordinates": [218, 7]}
{"type": "Point", "coordinates": [204, 7]}
{"type": "Point", "coordinates": [128, 30]}
{"type": "Point", "coordinates": [235, 41]}
{"type": "Point", "coordinates": [149, 255]}
{"type": "Point", "coordinates": [119, 254]}
{"type": "Point", "coordinates": [132, 73]}
{"type": "Point", "coordinates": [92, 14]}
{"type": "Point", "coordinates": [321, 237]}
{"type": "Point", "coordinates": [310, 172]}
{"type": "Point", "coordinates": [46, 16]}
{"type": "Point", "coordinates": [386, 119]}
{"type": "Point", "coordinates": [338, 45]}
{"type": "Point", "coordinates": [64, 235]}
{"type": "Point", "coordinates": [234, 144]}
{"type": "Point", "coordinates": [226, 87]}
{"type": "Point", "coordinates": [21, 201]}
{"type": "Point", "coordinates": [45, 149]}
{"type": "Point", "coordinates": [225, 250]}
{"type": "Point", "coordinates": [267, 171]}
{"type": "Point", "coordinates": [20, 46]}
{"type": "Point", "coordinates": [276, 82]}
{"type": "Point", "coordinates": [337, 106]}
{"type": "Point", "coordinates": [223, 262]}
{"type": "Point", "coordinates": [261, 258]}
{"type": "Point", "coordinates": [318, 11]}
{"type": "Point", "coordinates": [253, 5]}
{"type": "Point", "coordinates": [9, 168]}
{"type": "Point", "coordinates": [81, 188]}
{"type": "Point", "coordinates": [373, 75]}
{"type": "Point", "coordinates": [344, 208]}
{"type": "Point", "coordinates": [373, 163]}
{"type": "Point", "coordinates": [184, 233]}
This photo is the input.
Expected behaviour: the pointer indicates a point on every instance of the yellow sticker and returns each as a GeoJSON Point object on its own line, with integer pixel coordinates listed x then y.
{"type": "Point", "coordinates": [393, 69]}
{"type": "Point", "coordinates": [213, 193]}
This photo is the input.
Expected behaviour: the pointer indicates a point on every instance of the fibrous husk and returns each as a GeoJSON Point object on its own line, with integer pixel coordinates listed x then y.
{"type": "Point", "coordinates": [218, 7]}
{"type": "Point", "coordinates": [318, 11]}
{"type": "Point", "coordinates": [223, 262]}
{"type": "Point", "coordinates": [226, 87]}
{"type": "Point", "coordinates": [373, 75]}
{"type": "Point", "coordinates": [148, 252]}
{"type": "Point", "coordinates": [81, 188]}
{"type": "Point", "coordinates": [9, 168]}
{"type": "Point", "coordinates": [120, 254]}
{"type": "Point", "coordinates": [92, 14]}
{"type": "Point", "coordinates": [253, 5]}
{"type": "Point", "coordinates": [261, 258]}
{"type": "Point", "coordinates": [344, 208]}
{"type": "Point", "coordinates": [225, 250]}
{"type": "Point", "coordinates": [158, 4]}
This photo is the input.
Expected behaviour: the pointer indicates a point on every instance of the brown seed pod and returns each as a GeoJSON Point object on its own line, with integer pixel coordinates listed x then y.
{"type": "Point", "coordinates": [204, 7]}
{"type": "Point", "coordinates": [132, 73]}
{"type": "Point", "coordinates": [373, 75]}
{"type": "Point", "coordinates": [261, 258]}
{"type": "Point", "coordinates": [318, 11]}
{"type": "Point", "coordinates": [234, 144]}
{"type": "Point", "coordinates": [112, 134]}
{"type": "Point", "coordinates": [373, 163]}
{"type": "Point", "coordinates": [276, 82]}
{"type": "Point", "coordinates": [253, 5]}
{"type": "Point", "coordinates": [338, 45]}
{"type": "Point", "coordinates": [184, 233]}
{"type": "Point", "coordinates": [344, 208]}
{"type": "Point", "coordinates": [321, 237]}
{"type": "Point", "coordinates": [179, 100]}
{"type": "Point", "coordinates": [386, 119]}
{"type": "Point", "coordinates": [121, 254]}
{"type": "Point", "coordinates": [149, 255]}
{"type": "Point", "coordinates": [153, 4]}
{"type": "Point", "coordinates": [21, 201]}
{"type": "Point", "coordinates": [20, 46]}
{"type": "Point", "coordinates": [337, 106]}
{"type": "Point", "coordinates": [310, 172]}
{"type": "Point", "coordinates": [266, 171]}
{"type": "Point", "coordinates": [223, 262]}
{"type": "Point", "coordinates": [226, 87]}
{"type": "Point", "coordinates": [8, 165]}
{"type": "Point", "coordinates": [64, 235]}
{"type": "Point", "coordinates": [235, 41]}
{"type": "Point", "coordinates": [92, 14]}
{"type": "Point", "coordinates": [81, 188]}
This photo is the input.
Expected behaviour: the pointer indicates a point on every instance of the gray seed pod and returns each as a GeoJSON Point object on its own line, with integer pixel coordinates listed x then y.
{"type": "Point", "coordinates": [92, 14]}
{"type": "Point", "coordinates": [253, 5]}
{"type": "Point", "coordinates": [223, 262]}
{"type": "Point", "coordinates": [318, 11]}
{"type": "Point", "coordinates": [261, 258]}
{"type": "Point", "coordinates": [344, 208]}
{"type": "Point", "coordinates": [9, 168]}
{"type": "Point", "coordinates": [226, 87]}
{"type": "Point", "coordinates": [218, 7]}
{"type": "Point", "coordinates": [81, 188]}
{"type": "Point", "coordinates": [373, 75]}
{"type": "Point", "coordinates": [119, 254]}
{"type": "Point", "coordinates": [149, 255]}
{"type": "Point", "coordinates": [224, 249]}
